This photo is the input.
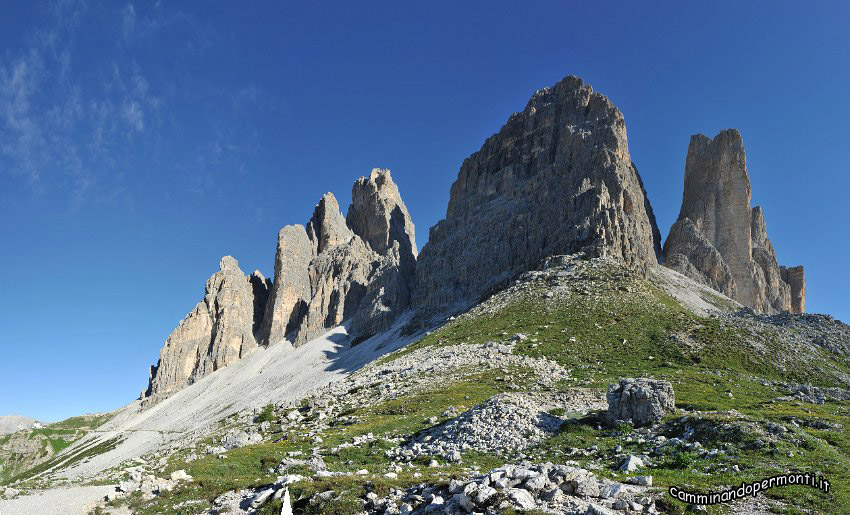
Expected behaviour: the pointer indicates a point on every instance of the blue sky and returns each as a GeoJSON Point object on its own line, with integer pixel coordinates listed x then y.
{"type": "Point", "coordinates": [142, 141]}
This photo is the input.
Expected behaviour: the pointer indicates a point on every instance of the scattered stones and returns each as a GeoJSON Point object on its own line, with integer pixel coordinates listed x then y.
{"type": "Point", "coordinates": [236, 438]}
{"type": "Point", "coordinates": [503, 423]}
{"type": "Point", "coordinates": [546, 487]}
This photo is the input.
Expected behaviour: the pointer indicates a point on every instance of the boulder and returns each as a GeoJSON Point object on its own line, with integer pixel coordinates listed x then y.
{"type": "Point", "coordinates": [640, 401]}
{"type": "Point", "coordinates": [556, 179]}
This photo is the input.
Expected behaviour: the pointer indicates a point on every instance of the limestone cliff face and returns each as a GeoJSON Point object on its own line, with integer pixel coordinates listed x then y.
{"type": "Point", "coordinates": [359, 268]}
{"type": "Point", "coordinates": [290, 291]}
{"type": "Point", "coordinates": [718, 239]}
{"type": "Point", "coordinates": [556, 179]}
{"type": "Point", "coordinates": [378, 215]}
{"type": "Point", "coordinates": [216, 333]}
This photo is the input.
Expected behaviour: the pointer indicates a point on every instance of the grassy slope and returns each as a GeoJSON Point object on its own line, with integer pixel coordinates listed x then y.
{"type": "Point", "coordinates": [617, 326]}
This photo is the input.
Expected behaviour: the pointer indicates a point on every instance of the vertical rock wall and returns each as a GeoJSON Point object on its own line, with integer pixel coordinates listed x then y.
{"type": "Point", "coordinates": [357, 269]}
{"type": "Point", "coordinates": [718, 239]}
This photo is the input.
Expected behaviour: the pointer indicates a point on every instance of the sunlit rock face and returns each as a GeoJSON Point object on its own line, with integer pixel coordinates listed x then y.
{"type": "Point", "coordinates": [556, 179]}
{"type": "Point", "coordinates": [216, 333]}
{"type": "Point", "coordinates": [719, 239]}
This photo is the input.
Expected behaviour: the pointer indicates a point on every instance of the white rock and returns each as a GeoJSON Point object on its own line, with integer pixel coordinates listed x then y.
{"type": "Point", "coordinates": [641, 480]}
{"type": "Point", "coordinates": [180, 475]}
{"type": "Point", "coordinates": [631, 464]}
{"type": "Point", "coordinates": [521, 497]}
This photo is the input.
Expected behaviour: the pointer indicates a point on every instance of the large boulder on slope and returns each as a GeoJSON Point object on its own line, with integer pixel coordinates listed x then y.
{"type": "Point", "coordinates": [641, 401]}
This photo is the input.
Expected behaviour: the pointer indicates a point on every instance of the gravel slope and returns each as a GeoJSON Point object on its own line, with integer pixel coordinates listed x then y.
{"type": "Point", "coordinates": [274, 375]}
{"type": "Point", "coordinates": [78, 500]}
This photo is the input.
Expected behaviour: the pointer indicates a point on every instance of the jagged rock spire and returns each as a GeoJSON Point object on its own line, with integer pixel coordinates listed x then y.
{"type": "Point", "coordinates": [291, 287]}
{"type": "Point", "coordinates": [718, 239]}
{"type": "Point", "coordinates": [378, 215]}
{"type": "Point", "coordinates": [327, 228]}
{"type": "Point", "coordinates": [359, 267]}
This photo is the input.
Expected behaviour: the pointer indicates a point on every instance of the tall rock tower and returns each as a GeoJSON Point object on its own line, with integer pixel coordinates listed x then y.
{"type": "Point", "coordinates": [356, 270]}
{"type": "Point", "coordinates": [722, 242]}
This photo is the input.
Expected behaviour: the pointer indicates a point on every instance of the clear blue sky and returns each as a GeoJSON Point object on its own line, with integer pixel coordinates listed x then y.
{"type": "Point", "coordinates": [140, 142]}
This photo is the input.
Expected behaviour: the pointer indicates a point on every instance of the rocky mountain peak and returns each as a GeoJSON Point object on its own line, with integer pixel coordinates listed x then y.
{"type": "Point", "coordinates": [378, 215]}
{"type": "Point", "coordinates": [228, 263]}
{"type": "Point", "coordinates": [719, 239]}
{"type": "Point", "coordinates": [556, 179]}
{"type": "Point", "coordinates": [357, 269]}
{"type": "Point", "coordinates": [327, 227]}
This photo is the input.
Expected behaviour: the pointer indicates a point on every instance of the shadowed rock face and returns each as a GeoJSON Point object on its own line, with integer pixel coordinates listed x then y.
{"type": "Point", "coordinates": [359, 268]}
{"type": "Point", "coordinates": [796, 279]}
{"type": "Point", "coordinates": [556, 179]}
{"type": "Point", "coordinates": [378, 215]}
{"type": "Point", "coordinates": [718, 239]}
{"type": "Point", "coordinates": [216, 333]}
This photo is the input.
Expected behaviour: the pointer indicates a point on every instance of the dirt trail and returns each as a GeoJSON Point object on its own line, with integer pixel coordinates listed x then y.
{"type": "Point", "coordinates": [78, 500]}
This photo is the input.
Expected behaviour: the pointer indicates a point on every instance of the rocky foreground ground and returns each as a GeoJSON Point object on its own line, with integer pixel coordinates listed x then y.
{"type": "Point", "coordinates": [518, 404]}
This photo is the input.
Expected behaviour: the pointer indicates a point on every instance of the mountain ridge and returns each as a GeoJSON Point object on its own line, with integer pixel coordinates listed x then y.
{"type": "Point", "coordinates": [368, 377]}
{"type": "Point", "coordinates": [557, 178]}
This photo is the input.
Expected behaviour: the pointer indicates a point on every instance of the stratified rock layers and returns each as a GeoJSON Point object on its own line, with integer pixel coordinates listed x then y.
{"type": "Point", "coordinates": [722, 242]}
{"type": "Point", "coordinates": [216, 333]}
{"type": "Point", "coordinates": [556, 179]}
